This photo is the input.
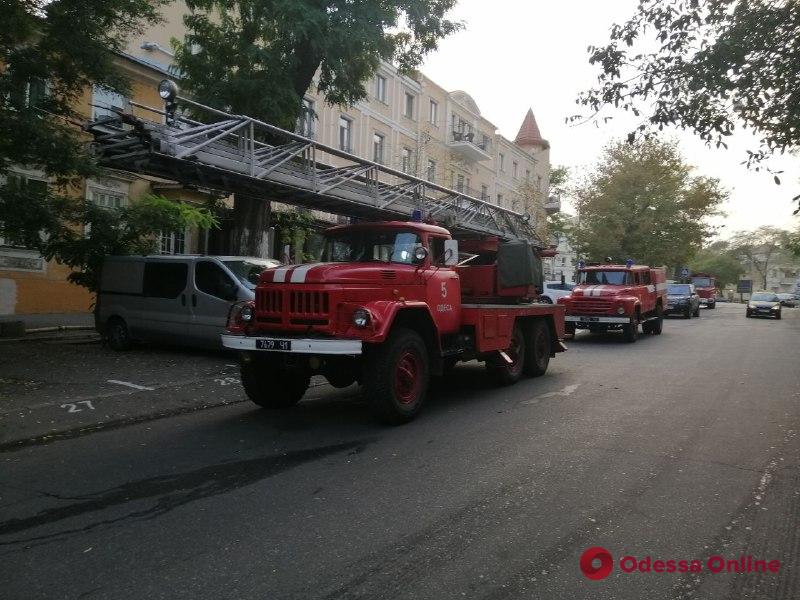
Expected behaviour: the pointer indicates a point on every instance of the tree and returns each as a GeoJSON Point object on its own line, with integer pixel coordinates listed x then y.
{"type": "Point", "coordinates": [259, 58]}
{"type": "Point", "coordinates": [712, 65]}
{"type": "Point", "coordinates": [642, 202]}
{"type": "Point", "coordinates": [760, 248]}
{"type": "Point", "coordinates": [718, 259]}
{"type": "Point", "coordinates": [50, 53]}
{"type": "Point", "coordinates": [559, 224]}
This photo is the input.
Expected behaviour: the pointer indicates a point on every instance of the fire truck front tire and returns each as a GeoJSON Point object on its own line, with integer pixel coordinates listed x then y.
{"type": "Point", "coordinates": [537, 357]}
{"type": "Point", "coordinates": [630, 332]}
{"type": "Point", "coordinates": [396, 377]}
{"type": "Point", "coordinates": [272, 387]}
{"type": "Point", "coordinates": [508, 374]}
{"type": "Point", "coordinates": [569, 329]}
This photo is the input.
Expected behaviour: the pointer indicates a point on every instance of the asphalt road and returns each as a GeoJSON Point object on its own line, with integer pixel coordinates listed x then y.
{"type": "Point", "coordinates": [680, 447]}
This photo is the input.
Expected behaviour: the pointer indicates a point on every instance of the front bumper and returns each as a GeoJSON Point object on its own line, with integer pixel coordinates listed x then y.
{"type": "Point", "coordinates": [299, 345]}
{"type": "Point", "coordinates": [592, 319]}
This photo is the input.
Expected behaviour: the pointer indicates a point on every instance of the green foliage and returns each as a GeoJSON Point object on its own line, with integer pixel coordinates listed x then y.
{"type": "Point", "coordinates": [258, 57]}
{"type": "Point", "coordinates": [642, 202]}
{"type": "Point", "coordinates": [711, 65]}
{"type": "Point", "coordinates": [85, 233]}
{"type": "Point", "coordinates": [719, 259]}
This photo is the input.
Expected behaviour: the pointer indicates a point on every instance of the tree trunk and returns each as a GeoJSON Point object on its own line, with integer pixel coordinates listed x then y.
{"type": "Point", "coordinates": [251, 218]}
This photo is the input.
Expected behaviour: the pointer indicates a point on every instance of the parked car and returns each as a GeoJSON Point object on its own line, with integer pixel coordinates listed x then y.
{"type": "Point", "coordinates": [553, 290]}
{"type": "Point", "coordinates": [682, 298]}
{"type": "Point", "coordinates": [764, 304]}
{"type": "Point", "coordinates": [175, 299]}
{"type": "Point", "coordinates": [789, 300]}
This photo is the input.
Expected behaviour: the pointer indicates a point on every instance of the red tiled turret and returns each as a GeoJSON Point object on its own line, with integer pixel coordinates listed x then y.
{"type": "Point", "coordinates": [529, 134]}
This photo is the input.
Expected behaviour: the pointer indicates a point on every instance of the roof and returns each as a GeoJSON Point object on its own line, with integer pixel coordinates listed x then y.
{"type": "Point", "coordinates": [529, 134]}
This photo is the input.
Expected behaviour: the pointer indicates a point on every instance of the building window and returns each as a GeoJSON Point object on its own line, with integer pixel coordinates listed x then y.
{"type": "Point", "coordinates": [408, 107]}
{"type": "Point", "coordinates": [105, 102]}
{"type": "Point", "coordinates": [484, 192]}
{"type": "Point", "coordinates": [514, 167]}
{"type": "Point", "coordinates": [431, 174]}
{"type": "Point", "coordinates": [563, 261]}
{"type": "Point", "coordinates": [502, 160]}
{"type": "Point", "coordinates": [433, 116]}
{"type": "Point", "coordinates": [377, 147]}
{"type": "Point", "coordinates": [460, 183]}
{"type": "Point", "coordinates": [107, 198]}
{"type": "Point", "coordinates": [538, 183]}
{"type": "Point", "coordinates": [380, 88]}
{"type": "Point", "coordinates": [527, 175]}
{"type": "Point", "coordinates": [499, 199]}
{"type": "Point", "coordinates": [345, 133]}
{"type": "Point", "coordinates": [485, 142]}
{"type": "Point", "coordinates": [407, 167]}
{"type": "Point", "coordinates": [305, 122]}
{"type": "Point", "coordinates": [172, 243]}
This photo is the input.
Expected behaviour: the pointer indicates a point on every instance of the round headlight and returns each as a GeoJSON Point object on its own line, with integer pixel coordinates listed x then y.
{"type": "Point", "coordinates": [247, 314]}
{"type": "Point", "coordinates": [621, 310]}
{"type": "Point", "coordinates": [361, 317]}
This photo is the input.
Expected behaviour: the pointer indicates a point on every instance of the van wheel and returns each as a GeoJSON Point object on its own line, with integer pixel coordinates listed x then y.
{"type": "Point", "coordinates": [545, 300]}
{"type": "Point", "coordinates": [504, 373]}
{"type": "Point", "coordinates": [117, 334]}
{"type": "Point", "coordinates": [272, 387]}
{"type": "Point", "coordinates": [396, 377]}
{"type": "Point", "coordinates": [537, 356]}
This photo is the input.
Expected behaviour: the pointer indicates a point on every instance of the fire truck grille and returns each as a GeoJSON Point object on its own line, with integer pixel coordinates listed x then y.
{"type": "Point", "coordinates": [270, 301]}
{"type": "Point", "coordinates": [308, 303]}
{"type": "Point", "coordinates": [593, 306]}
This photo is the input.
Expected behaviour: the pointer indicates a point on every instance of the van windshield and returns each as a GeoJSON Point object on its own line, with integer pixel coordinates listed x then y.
{"type": "Point", "coordinates": [248, 270]}
{"type": "Point", "coordinates": [605, 277]}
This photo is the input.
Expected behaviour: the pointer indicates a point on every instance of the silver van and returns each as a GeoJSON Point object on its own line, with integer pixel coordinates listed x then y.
{"type": "Point", "coordinates": [179, 299]}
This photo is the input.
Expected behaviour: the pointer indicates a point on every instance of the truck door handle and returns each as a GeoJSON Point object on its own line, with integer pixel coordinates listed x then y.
{"type": "Point", "coordinates": [194, 299]}
{"type": "Point", "coordinates": [183, 299]}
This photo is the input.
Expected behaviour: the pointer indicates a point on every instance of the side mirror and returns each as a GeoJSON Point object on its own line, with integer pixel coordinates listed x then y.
{"type": "Point", "coordinates": [450, 253]}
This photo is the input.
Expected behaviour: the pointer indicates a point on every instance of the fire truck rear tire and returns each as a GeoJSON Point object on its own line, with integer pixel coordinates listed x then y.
{"type": "Point", "coordinates": [396, 377]}
{"type": "Point", "coordinates": [498, 368]}
{"type": "Point", "coordinates": [271, 387]}
{"type": "Point", "coordinates": [569, 329]}
{"type": "Point", "coordinates": [630, 332]}
{"type": "Point", "coordinates": [537, 355]}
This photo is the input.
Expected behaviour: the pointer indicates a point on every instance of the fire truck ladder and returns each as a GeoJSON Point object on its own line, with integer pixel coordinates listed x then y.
{"type": "Point", "coordinates": [237, 154]}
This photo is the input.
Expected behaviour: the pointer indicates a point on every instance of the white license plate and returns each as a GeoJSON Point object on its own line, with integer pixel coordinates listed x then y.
{"type": "Point", "coordinates": [270, 344]}
{"type": "Point", "coordinates": [589, 319]}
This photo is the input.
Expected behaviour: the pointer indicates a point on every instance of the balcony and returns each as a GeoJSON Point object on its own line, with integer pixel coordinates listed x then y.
{"type": "Point", "coordinates": [472, 146]}
{"type": "Point", "coordinates": [552, 205]}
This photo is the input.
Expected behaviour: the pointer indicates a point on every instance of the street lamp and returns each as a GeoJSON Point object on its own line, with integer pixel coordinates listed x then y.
{"type": "Point", "coordinates": [168, 90]}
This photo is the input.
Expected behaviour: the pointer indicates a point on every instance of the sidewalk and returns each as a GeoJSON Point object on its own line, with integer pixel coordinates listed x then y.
{"type": "Point", "coordinates": [45, 325]}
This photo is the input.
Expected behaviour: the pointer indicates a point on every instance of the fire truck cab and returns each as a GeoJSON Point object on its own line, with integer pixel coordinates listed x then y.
{"type": "Point", "coordinates": [612, 296]}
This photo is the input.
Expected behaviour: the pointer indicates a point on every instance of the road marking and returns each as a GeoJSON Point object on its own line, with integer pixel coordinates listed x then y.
{"type": "Point", "coordinates": [131, 385]}
{"type": "Point", "coordinates": [567, 391]}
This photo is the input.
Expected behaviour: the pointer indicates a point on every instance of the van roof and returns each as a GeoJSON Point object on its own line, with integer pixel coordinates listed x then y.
{"type": "Point", "coordinates": [183, 256]}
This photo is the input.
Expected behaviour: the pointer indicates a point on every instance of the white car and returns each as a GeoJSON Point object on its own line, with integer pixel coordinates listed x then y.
{"type": "Point", "coordinates": [553, 290]}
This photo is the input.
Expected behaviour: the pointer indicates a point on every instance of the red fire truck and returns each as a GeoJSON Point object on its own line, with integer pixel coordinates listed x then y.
{"type": "Point", "coordinates": [609, 297]}
{"type": "Point", "coordinates": [391, 304]}
{"type": "Point", "coordinates": [706, 286]}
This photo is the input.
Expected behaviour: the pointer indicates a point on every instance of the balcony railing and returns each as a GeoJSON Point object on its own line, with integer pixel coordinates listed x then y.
{"type": "Point", "coordinates": [471, 144]}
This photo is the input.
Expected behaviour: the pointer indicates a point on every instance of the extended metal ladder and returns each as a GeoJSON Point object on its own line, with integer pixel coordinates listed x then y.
{"type": "Point", "coordinates": [239, 154]}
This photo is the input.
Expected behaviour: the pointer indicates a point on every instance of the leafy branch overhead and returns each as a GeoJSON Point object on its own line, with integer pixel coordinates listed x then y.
{"type": "Point", "coordinates": [706, 66]}
{"type": "Point", "coordinates": [259, 57]}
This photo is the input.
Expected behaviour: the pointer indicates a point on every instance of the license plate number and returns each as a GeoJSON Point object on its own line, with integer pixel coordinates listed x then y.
{"type": "Point", "coordinates": [589, 319]}
{"type": "Point", "coordinates": [268, 344]}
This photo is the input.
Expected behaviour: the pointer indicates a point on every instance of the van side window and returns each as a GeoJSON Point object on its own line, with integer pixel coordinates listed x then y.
{"type": "Point", "coordinates": [164, 279]}
{"type": "Point", "coordinates": [211, 279]}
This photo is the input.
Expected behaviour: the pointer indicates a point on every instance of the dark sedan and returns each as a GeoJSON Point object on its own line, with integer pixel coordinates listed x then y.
{"type": "Point", "coordinates": [764, 304]}
{"type": "Point", "coordinates": [682, 299]}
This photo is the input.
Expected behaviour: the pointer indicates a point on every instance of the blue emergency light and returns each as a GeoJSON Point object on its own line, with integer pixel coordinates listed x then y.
{"type": "Point", "coordinates": [416, 215]}
{"type": "Point", "coordinates": [581, 264]}
{"type": "Point", "coordinates": [629, 263]}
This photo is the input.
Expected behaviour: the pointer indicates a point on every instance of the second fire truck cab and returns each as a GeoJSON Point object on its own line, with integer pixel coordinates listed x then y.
{"type": "Point", "coordinates": [706, 286]}
{"type": "Point", "coordinates": [609, 297]}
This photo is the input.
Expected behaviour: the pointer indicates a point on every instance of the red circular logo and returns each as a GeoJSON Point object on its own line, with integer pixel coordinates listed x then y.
{"type": "Point", "coordinates": [596, 563]}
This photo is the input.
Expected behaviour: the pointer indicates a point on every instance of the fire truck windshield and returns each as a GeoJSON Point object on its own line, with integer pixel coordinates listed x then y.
{"type": "Point", "coordinates": [605, 277]}
{"type": "Point", "coordinates": [371, 246]}
{"type": "Point", "coordinates": [702, 282]}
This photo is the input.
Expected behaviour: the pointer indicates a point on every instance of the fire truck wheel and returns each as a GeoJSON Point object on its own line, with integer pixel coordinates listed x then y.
{"type": "Point", "coordinates": [537, 356]}
{"type": "Point", "coordinates": [630, 332]}
{"type": "Point", "coordinates": [504, 373]}
{"type": "Point", "coordinates": [696, 311]}
{"type": "Point", "coordinates": [657, 325]}
{"type": "Point", "coordinates": [396, 377]}
{"type": "Point", "coordinates": [569, 329]}
{"type": "Point", "coordinates": [647, 327]}
{"type": "Point", "coordinates": [271, 387]}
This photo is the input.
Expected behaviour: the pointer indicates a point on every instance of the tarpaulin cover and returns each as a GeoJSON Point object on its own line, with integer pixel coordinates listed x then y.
{"type": "Point", "coordinates": [518, 265]}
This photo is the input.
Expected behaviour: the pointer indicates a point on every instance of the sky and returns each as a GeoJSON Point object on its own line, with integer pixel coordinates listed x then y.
{"type": "Point", "coordinates": [518, 54]}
